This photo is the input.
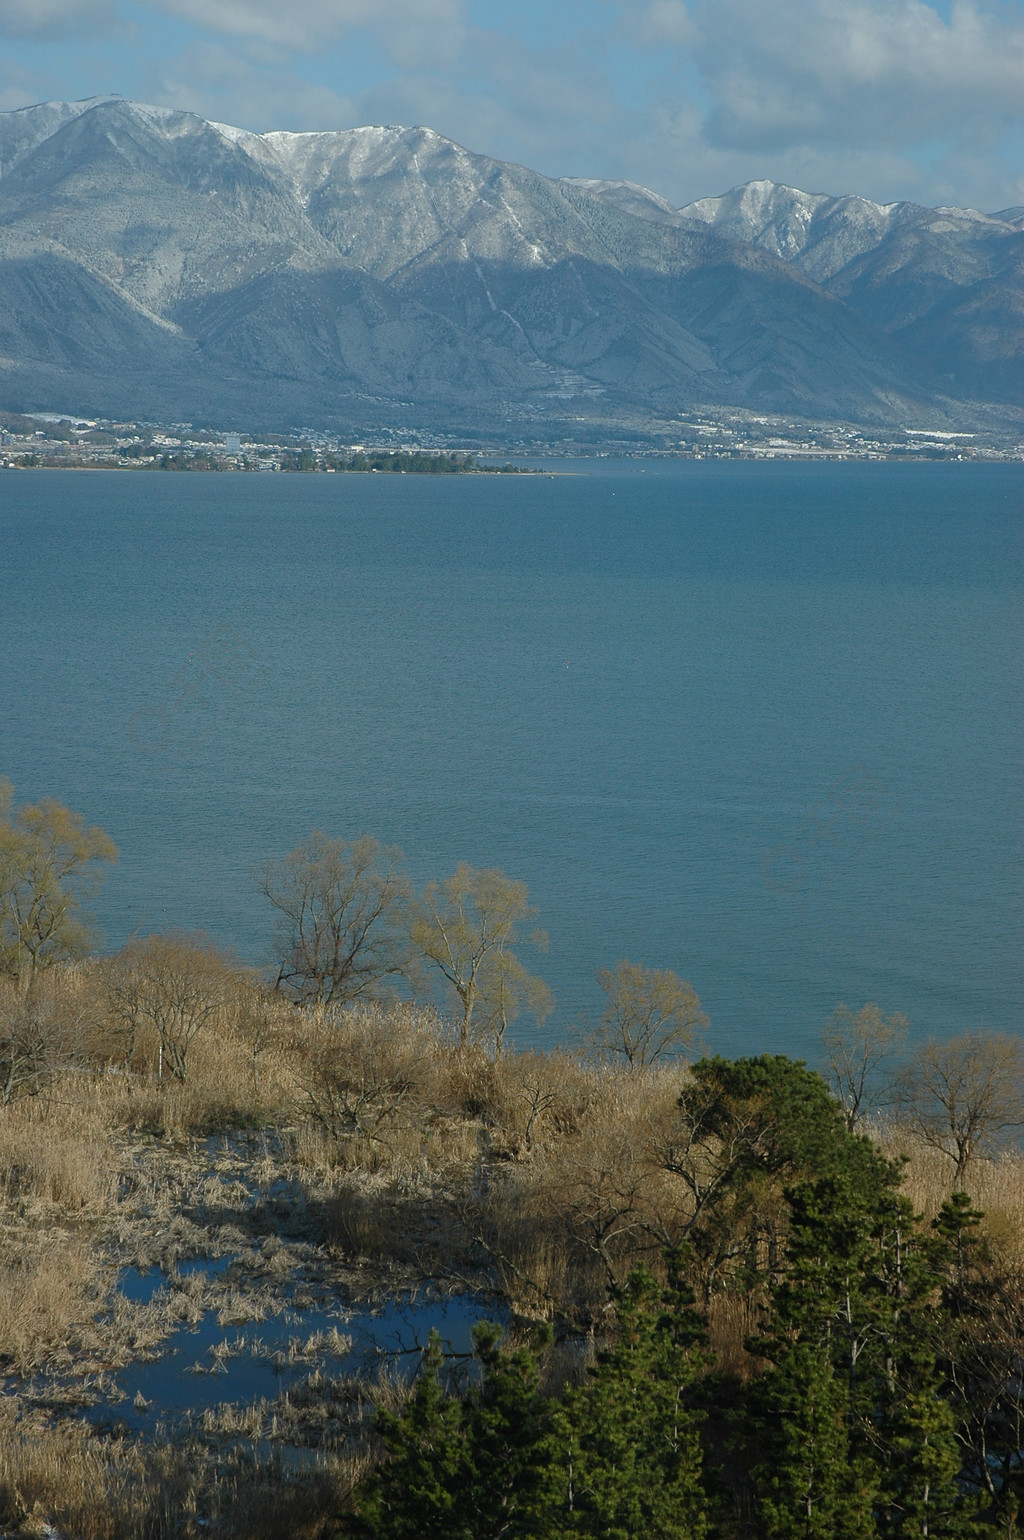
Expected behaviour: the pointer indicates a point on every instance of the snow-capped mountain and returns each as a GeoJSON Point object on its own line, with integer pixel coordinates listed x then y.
{"type": "Point", "coordinates": [947, 283]}
{"type": "Point", "coordinates": [822, 234]}
{"type": "Point", "coordinates": [187, 268]}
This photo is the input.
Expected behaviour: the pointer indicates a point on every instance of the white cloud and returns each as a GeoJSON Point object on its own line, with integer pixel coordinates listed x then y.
{"type": "Point", "coordinates": [659, 22]}
{"type": "Point", "coordinates": [889, 98]}
{"type": "Point", "coordinates": [218, 82]}
{"type": "Point", "coordinates": [413, 32]}
{"type": "Point", "coordinates": [677, 161]}
{"type": "Point", "coordinates": [809, 115]}
{"type": "Point", "coordinates": [547, 110]}
{"type": "Point", "coordinates": [882, 72]}
{"type": "Point", "coordinates": [53, 18]}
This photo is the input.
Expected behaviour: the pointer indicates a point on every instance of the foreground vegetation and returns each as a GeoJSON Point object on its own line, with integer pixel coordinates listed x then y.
{"type": "Point", "coordinates": [714, 1235]}
{"type": "Point", "coordinates": [738, 1302]}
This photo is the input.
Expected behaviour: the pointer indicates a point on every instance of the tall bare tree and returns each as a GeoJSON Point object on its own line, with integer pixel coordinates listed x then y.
{"type": "Point", "coordinates": [49, 862]}
{"type": "Point", "coordinates": [857, 1045]}
{"type": "Point", "coordinates": [962, 1095]}
{"type": "Point", "coordinates": [509, 990]}
{"type": "Point", "coordinates": [651, 1014]}
{"type": "Point", "coordinates": [176, 985]}
{"type": "Point", "coordinates": [343, 917]}
{"type": "Point", "coordinates": [468, 927]}
{"type": "Point", "coordinates": [44, 1034]}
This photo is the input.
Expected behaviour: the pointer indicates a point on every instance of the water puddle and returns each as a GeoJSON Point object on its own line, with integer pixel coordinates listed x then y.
{"type": "Point", "coordinates": [230, 1326]}
{"type": "Point", "coordinates": [140, 1285]}
{"type": "Point", "coordinates": [211, 1363]}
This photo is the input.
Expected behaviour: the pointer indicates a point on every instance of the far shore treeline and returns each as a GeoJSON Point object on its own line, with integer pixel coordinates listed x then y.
{"type": "Point", "coordinates": [742, 1300]}
{"type": "Point", "coordinates": [214, 457]}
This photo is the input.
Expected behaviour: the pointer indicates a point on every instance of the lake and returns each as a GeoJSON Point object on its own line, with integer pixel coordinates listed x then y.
{"type": "Point", "coordinates": [757, 722]}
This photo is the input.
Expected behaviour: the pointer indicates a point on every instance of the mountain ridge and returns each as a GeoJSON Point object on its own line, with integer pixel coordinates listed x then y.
{"type": "Point", "coordinates": [275, 272]}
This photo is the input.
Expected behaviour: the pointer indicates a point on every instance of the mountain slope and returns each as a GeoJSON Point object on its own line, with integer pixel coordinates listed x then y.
{"type": "Point", "coordinates": [943, 283]}
{"type": "Point", "coordinates": [275, 274]}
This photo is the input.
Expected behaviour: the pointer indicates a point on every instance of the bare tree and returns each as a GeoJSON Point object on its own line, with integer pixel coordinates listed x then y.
{"type": "Point", "coordinates": [960, 1095]}
{"type": "Point", "coordinates": [604, 1192]}
{"type": "Point", "coordinates": [651, 1014]}
{"type": "Point", "coordinates": [366, 1073]}
{"type": "Point", "coordinates": [49, 862]}
{"type": "Point", "coordinates": [43, 1036]}
{"type": "Point", "coordinates": [343, 917]}
{"type": "Point", "coordinates": [468, 926]}
{"type": "Point", "coordinates": [508, 990]}
{"type": "Point", "coordinates": [856, 1046]}
{"type": "Point", "coordinates": [261, 1020]}
{"type": "Point", "coordinates": [538, 1100]}
{"type": "Point", "coordinates": [125, 998]}
{"type": "Point", "coordinates": [175, 984]}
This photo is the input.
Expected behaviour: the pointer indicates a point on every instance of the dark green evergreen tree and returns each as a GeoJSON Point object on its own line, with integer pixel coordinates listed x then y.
{"type": "Point", "coordinates": [619, 1457]}
{"type": "Point", "coordinates": [815, 1487]}
{"type": "Point", "coordinates": [913, 1423]}
{"type": "Point", "coordinates": [859, 1299]}
{"type": "Point", "coordinates": [922, 1495]}
{"type": "Point", "coordinates": [749, 1129]}
{"type": "Point", "coordinates": [818, 1478]}
{"type": "Point", "coordinates": [416, 1489]}
{"type": "Point", "coordinates": [458, 1467]}
{"type": "Point", "coordinates": [623, 1457]}
{"type": "Point", "coordinates": [505, 1422]}
{"type": "Point", "coordinates": [892, 1405]}
{"type": "Point", "coordinates": [979, 1343]}
{"type": "Point", "coordinates": [962, 1253]}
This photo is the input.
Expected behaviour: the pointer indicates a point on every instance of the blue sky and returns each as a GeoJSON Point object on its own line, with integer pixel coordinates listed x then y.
{"type": "Point", "coordinates": [888, 98]}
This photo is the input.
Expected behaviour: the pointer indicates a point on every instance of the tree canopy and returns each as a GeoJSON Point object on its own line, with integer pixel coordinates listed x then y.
{"type": "Point", "coordinates": [342, 917]}
{"type": "Point", "coordinates": [468, 926]}
{"type": "Point", "coordinates": [50, 861]}
{"type": "Point", "coordinates": [651, 1014]}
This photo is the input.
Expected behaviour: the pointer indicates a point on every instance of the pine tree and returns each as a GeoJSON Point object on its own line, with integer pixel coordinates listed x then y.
{"type": "Point", "coordinates": [750, 1129]}
{"type": "Point", "coordinates": [914, 1427]}
{"type": "Point", "coordinates": [459, 1468]}
{"type": "Point", "coordinates": [623, 1456]}
{"type": "Point", "coordinates": [960, 1251]}
{"type": "Point", "coordinates": [505, 1423]}
{"type": "Point", "coordinates": [815, 1488]}
{"type": "Point", "coordinates": [818, 1479]}
{"type": "Point", "coordinates": [859, 1299]}
{"type": "Point", "coordinates": [414, 1493]}
{"type": "Point", "coordinates": [925, 1499]}
{"type": "Point", "coordinates": [979, 1347]}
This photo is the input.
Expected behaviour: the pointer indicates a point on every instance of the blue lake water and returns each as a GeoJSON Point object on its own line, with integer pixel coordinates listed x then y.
{"type": "Point", "coordinates": [759, 723]}
{"type": "Point", "coordinates": [206, 1364]}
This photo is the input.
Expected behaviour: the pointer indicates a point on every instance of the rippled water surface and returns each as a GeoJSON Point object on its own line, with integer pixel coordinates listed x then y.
{"type": "Point", "coordinates": [756, 722]}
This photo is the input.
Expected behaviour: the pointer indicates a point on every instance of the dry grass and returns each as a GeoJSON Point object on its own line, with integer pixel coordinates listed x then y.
{"type": "Point", "coordinates": [379, 1152]}
{"type": "Point", "coordinates": [58, 1176]}
{"type": "Point", "coordinates": [47, 1295]}
{"type": "Point", "coordinates": [92, 1489]}
{"type": "Point", "coordinates": [732, 1319]}
{"type": "Point", "coordinates": [996, 1186]}
{"type": "Point", "coordinates": [541, 1174]}
{"type": "Point", "coordinates": [538, 1173]}
{"type": "Point", "coordinates": [57, 1152]}
{"type": "Point", "coordinates": [222, 1089]}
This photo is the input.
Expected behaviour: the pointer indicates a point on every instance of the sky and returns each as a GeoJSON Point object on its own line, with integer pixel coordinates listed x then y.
{"type": "Point", "coordinates": [887, 98]}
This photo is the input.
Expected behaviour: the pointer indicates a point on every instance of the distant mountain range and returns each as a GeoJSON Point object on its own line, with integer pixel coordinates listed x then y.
{"type": "Point", "coordinates": [159, 265]}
